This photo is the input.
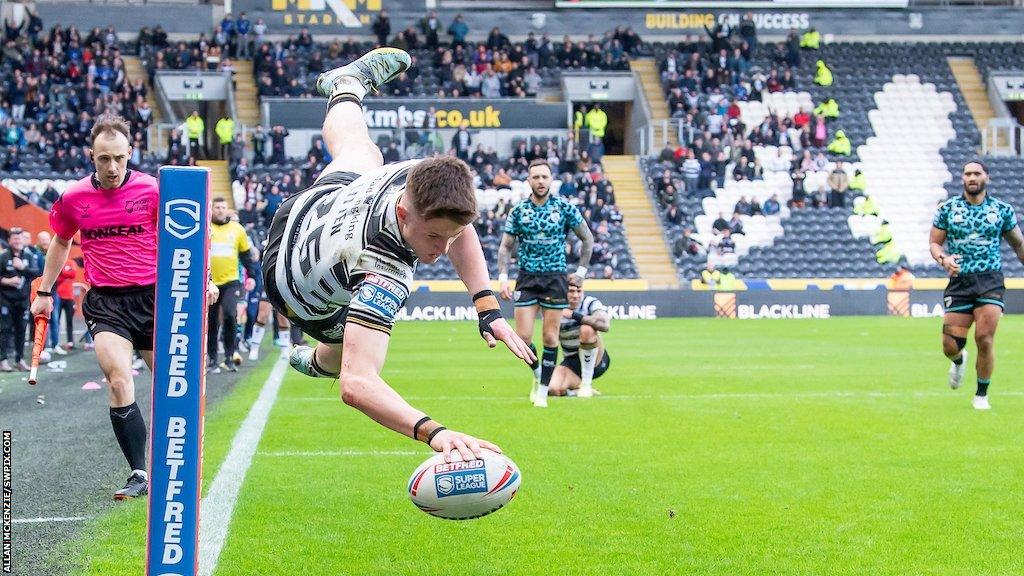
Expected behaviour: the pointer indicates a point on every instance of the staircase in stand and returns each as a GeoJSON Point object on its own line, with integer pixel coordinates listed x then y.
{"type": "Point", "coordinates": [642, 228]}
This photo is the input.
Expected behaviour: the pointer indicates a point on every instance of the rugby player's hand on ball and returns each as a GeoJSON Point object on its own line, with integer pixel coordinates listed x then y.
{"type": "Point", "coordinates": [464, 445]}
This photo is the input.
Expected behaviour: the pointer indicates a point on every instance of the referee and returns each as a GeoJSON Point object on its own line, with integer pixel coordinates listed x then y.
{"type": "Point", "coordinates": [971, 227]}
{"type": "Point", "coordinates": [229, 245]}
{"type": "Point", "coordinates": [541, 226]}
{"type": "Point", "coordinates": [115, 210]}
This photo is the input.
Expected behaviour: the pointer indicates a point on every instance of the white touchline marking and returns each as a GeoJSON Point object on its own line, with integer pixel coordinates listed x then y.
{"type": "Point", "coordinates": [291, 453]}
{"type": "Point", "coordinates": [49, 520]}
{"type": "Point", "coordinates": [219, 504]}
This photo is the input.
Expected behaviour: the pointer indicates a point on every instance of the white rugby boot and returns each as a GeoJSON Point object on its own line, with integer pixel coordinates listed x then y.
{"type": "Point", "coordinates": [956, 373]}
{"type": "Point", "coordinates": [372, 70]}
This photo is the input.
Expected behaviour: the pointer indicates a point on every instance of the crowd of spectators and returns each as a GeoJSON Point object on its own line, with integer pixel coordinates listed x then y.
{"type": "Point", "coordinates": [705, 80]}
{"type": "Point", "coordinates": [446, 63]}
{"type": "Point", "coordinates": [54, 85]}
{"type": "Point", "coordinates": [262, 182]}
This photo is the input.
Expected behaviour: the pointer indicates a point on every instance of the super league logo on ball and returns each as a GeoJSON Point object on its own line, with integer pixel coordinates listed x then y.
{"type": "Point", "coordinates": [181, 218]}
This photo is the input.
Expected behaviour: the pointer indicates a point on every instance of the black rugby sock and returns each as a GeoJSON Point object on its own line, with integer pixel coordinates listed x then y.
{"type": "Point", "coordinates": [547, 365]}
{"type": "Point", "coordinates": [536, 363]}
{"type": "Point", "coordinates": [130, 431]}
{"type": "Point", "coordinates": [983, 386]}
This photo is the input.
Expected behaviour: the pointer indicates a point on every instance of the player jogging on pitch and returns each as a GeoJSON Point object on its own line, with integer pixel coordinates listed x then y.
{"type": "Point", "coordinates": [580, 335]}
{"type": "Point", "coordinates": [115, 209]}
{"type": "Point", "coordinates": [229, 245]}
{"type": "Point", "coordinates": [341, 254]}
{"type": "Point", "coordinates": [541, 224]}
{"type": "Point", "coordinates": [971, 226]}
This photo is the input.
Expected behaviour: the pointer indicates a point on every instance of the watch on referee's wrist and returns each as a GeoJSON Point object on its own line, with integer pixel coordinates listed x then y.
{"type": "Point", "coordinates": [44, 293]}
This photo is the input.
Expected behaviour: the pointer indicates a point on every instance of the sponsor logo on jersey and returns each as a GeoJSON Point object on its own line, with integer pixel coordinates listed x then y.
{"type": "Point", "coordinates": [992, 217]}
{"type": "Point", "coordinates": [112, 231]}
{"type": "Point", "coordinates": [136, 205]}
{"type": "Point", "coordinates": [381, 295]}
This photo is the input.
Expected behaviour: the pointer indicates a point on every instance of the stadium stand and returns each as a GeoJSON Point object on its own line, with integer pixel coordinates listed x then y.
{"type": "Point", "coordinates": [260, 188]}
{"type": "Point", "coordinates": [908, 138]}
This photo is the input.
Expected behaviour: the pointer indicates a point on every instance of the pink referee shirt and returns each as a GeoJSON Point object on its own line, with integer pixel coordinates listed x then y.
{"type": "Point", "coordinates": [118, 228]}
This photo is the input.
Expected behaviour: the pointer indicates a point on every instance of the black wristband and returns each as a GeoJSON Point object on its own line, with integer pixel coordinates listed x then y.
{"type": "Point", "coordinates": [44, 293]}
{"type": "Point", "coordinates": [434, 433]}
{"type": "Point", "coordinates": [482, 294]}
{"type": "Point", "coordinates": [416, 428]}
{"type": "Point", "coordinates": [578, 316]}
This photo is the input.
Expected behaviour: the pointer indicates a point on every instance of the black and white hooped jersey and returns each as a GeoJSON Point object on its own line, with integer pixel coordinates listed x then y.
{"type": "Point", "coordinates": [342, 248]}
{"type": "Point", "coordinates": [569, 331]}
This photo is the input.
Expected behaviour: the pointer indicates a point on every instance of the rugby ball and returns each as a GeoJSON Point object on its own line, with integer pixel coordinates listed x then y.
{"type": "Point", "coordinates": [461, 490]}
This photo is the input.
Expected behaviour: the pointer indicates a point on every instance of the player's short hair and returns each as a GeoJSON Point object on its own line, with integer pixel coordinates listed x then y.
{"type": "Point", "coordinates": [110, 124]}
{"type": "Point", "coordinates": [218, 199]}
{"type": "Point", "coordinates": [442, 187]}
{"type": "Point", "coordinates": [576, 281]}
{"type": "Point", "coordinates": [538, 162]}
{"type": "Point", "coordinates": [984, 167]}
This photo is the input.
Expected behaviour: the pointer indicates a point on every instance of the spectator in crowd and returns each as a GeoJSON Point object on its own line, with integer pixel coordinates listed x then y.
{"type": "Point", "coordinates": [865, 206]}
{"type": "Point", "coordinates": [225, 129]}
{"type": "Point", "coordinates": [430, 27]}
{"type": "Point", "coordinates": [838, 183]}
{"type": "Point", "coordinates": [840, 145]}
{"type": "Point", "coordinates": [196, 129]}
{"type": "Point", "coordinates": [277, 138]}
{"type": "Point", "coordinates": [259, 145]}
{"type": "Point", "coordinates": [18, 267]}
{"type": "Point", "coordinates": [458, 30]}
{"type": "Point", "coordinates": [720, 224]}
{"type": "Point", "coordinates": [828, 109]}
{"type": "Point", "coordinates": [462, 140]}
{"type": "Point", "coordinates": [823, 75]}
{"type": "Point", "coordinates": [771, 206]}
{"type": "Point", "coordinates": [382, 28]}
{"type": "Point", "coordinates": [859, 182]}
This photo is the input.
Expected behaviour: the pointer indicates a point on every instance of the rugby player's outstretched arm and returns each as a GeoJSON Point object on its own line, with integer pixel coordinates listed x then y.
{"type": "Point", "coordinates": [56, 257]}
{"type": "Point", "coordinates": [362, 388]}
{"type": "Point", "coordinates": [1016, 241]}
{"type": "Point", "coordinates": [468, 259]}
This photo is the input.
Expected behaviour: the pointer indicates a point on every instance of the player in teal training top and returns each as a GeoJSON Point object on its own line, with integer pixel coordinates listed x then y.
{"type": "Point", "coordinates": [971, 225]}
{"type": "Point", "coordinates": [541, 224]}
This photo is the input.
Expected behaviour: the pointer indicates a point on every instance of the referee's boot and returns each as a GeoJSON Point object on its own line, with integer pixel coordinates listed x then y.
{"type": "Point", "coordinates": [372, 70]}
{"type": "Point", "coordinates": [137, 485]}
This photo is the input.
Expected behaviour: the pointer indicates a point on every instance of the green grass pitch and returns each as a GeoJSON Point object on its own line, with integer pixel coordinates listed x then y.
{"type": "Point", "coordinates": [795, 447]}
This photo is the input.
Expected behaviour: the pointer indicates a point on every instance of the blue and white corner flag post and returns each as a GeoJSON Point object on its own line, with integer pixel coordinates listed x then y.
{"type": "Point", "coordinates": [179, 380]}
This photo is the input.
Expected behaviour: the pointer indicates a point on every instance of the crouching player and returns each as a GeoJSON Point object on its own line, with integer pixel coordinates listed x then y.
{"type": "Point", "coordinates": [584, 356]}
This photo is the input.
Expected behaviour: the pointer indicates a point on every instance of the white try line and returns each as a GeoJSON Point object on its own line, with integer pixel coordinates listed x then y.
{"type": "Point", "coordinates": [698, 396]}
{"type": "Point", "coordinates": [219, 503]}
{"type": "Point", "coordinates": [338, 453]}
{"type": "Point", "coordinates": [51, 520]}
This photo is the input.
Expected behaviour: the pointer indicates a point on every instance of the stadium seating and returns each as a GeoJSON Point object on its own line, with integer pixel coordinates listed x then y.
{"type": "Point", "coordinates": [615, 261]}
{"type": "Point", "coordinates": [911, 132]}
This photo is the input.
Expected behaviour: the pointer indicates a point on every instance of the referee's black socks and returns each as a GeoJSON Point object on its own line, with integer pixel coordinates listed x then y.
{"type": "Point", "coordinates": [130, 430]}
{"type": "Point", "coordinates": [547, 365]}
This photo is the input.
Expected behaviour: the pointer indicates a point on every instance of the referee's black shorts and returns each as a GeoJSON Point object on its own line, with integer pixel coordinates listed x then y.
{"type": "Point", "coordinates": [327, 330]}
{"type": "Point", "coordinates": [965, 292]}
{"type": "Point", "coordinates": [549, 289]}
{"type": "Point", "coordinates": [127, 312]}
